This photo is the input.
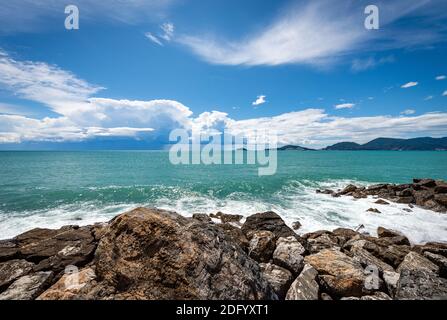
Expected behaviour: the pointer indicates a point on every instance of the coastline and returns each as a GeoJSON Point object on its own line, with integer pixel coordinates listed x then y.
{"type": "Point", "coordinates": [157, 254]}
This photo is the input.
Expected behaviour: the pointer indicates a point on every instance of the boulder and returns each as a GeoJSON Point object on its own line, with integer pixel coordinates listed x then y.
{"type": "Point", "coordinates": [156, 254]}
{"type": "Point", "coordinates": [269, 221]}
{"type": "Point", "coordinates": [367, 259]}
{"type": "Point", "coordinates": [279, 278]}
{"type": "Point", "coordinates": [69, 286]}
{"type": "Point", "coordinates": [227, 218]}
{"type": "Point", "coordinates": [341, 275]}
{"type": "Point", "coordinates": [325, 296]}
{"type": "Point", "coordinates": [348, 189]}
{"type": "Point", "coordinates": [414, 261]}
{"type": "Point", "coordinates": [405, 200]}
{"type": "Point", "coordinates": [8, 250]}
{"type": "Point", "coordinates": [325, 241]}
{"type": "Point", "coordinates": [422, 196]}
{"type": "Point", "coordinates": [56, 249]}
{"type": "Point", "coordinates": [391, 279]}
{"type": "Point", "coordinates": [28, 287]}
{"type": "Point", "coordinates": [345, 233]}
{"type": "Point", "coordinates": [428, 183]}
{"type": "Point", "coordinates": [296, 225]}
{"type": "Point", "coordinates": [304, 287]}
{"type": "Point", "coordinates": [202, 217]}
{"type": "Point", "coordinates": [288, 254]}
{"type": "Point", "coordinates": [434, 247]}
{"type": "Point", "coordinates": [420, 285]}
{"type": "Point", "coordinates": [12, 270]}
{"type": "Point", "coordinates": [441, 188]}
{"type": "Point", "coordinates": [235, 234]}
{"type": "Point", "coordinates": [373, 210]}
{"type": "Point", "coordinates": [381, 201]}
{"type": "Point", "coordinates": [387, 233]}
{"type": "Point", "coordinates": [261, 246]}
{"type": "Point", "coordinates": [441, 199]}
{"type": "Point", "coordinates": [438, 260]}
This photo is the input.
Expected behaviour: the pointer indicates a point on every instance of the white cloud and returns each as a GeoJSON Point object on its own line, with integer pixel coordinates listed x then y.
{"type": "Point", "coordinates": [153, 38]}
{"type": "Point", "coordinates": [94, 117]}
{"type": "Point", "coordinates": [442, 77]}
{"type": "Point", "coordinates": [167, 34]}
{"type": "Point", "coordinates": [320, 32]}
{"type": "Point", "coordinates": [428, 98]}
{"type": "Point", "coordinates": [370, 63]}
{"type": "Point", "coordinates": [345, 106]}
{"type": "Point", "coordinates": [408, 112]}
{"type": "Point", "coordinates": [409, 85]}
{"type": "Point", "coordinates": [444, 93]}
{"type": "Point", "coordinates": [260, 100]}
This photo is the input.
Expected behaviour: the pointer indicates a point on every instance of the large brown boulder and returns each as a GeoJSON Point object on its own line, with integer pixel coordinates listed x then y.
{"type": "Point", "coordinates": [341, 275]}
{"type": "Point", "coordinates": [155, 254]}
{"type": "Point", "coordinates": [12, 270]}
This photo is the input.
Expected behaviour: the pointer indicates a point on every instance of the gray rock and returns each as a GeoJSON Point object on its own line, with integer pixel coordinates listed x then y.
{"type": "Point", "coordinates": [414, 261]}
{"type": "Point", "coordinates": [261, 246]}
{"type": "Point", "coordinates": [288, 254]}
{"type": "Point", "coordinates": [28, 287]}
{"type": "Point", "coordinates": [202, 217]}
{"type": "Point", "coordinates": [421, 285]}
{"type": "Point", "coordinates": [279, 278]}
{"type": "Point", "coordinates": [367, 259]}
{"type": "Point", "coordinates": [391, 279]}
{"type": "Point", "coordinates": [439, 260]}
{"type": "Point", "coordinates": [12, 270]}
{"type": "Point", "coordinates": [377, 296]}
{"type": "Point", "coordinates": [304, 287]}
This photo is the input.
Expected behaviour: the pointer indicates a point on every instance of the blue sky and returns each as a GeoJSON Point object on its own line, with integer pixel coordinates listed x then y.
{"type": "Point", "coordinates": [308, 70]}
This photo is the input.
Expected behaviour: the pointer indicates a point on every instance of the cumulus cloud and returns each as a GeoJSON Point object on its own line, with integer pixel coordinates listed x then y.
{"type": "Point", "coordinates": [83, 116]}
{"type": "Point", "coordinates": [259, 100]}
{"type": "Point", "coordinates": [408, 112]}
{"type": "Point", "coordinates": [322, 31]}
{"type": "Point", "coordinates": [409, 85]}
{"type": "Point", "coordinates": [345, 106]}
{"type": "Point", "coordinates": [442, 77]}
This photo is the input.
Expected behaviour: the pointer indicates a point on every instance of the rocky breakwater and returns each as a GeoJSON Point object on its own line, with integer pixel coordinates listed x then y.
{"type": "Point", "coordinates": [156, 254]}
{"type": "Point", "coordinates": [426, 193]}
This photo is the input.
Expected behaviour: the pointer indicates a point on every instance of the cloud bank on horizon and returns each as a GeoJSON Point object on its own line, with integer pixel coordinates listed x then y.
{"type": "Point", "coordinates": [82, 116]}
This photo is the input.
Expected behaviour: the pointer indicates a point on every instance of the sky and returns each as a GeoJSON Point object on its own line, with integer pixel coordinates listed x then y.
{"type": "Point", "coordinates": [309, 71]}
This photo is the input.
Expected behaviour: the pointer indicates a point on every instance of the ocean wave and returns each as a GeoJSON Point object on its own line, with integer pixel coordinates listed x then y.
{"type": "Point", "coordinates": [294, 201]}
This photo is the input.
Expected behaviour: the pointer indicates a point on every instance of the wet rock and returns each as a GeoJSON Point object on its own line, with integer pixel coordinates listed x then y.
{"type": "Point", "coordinates": [383, 202]}
{"type": "Point", "coordinates": [348, 189]}
{"type": "Point", "coordinates": [438, 260]}
{"type": "Point", "coordinates": [69, 286]}
{"type": "Point", "coordinates": [387, 233]}
{"type": "Point", "coordinates": [325, 191]}
{"type": "Point", "coordinates": [341, 275]}
{"type": "Point", "coordinates": [155, 254]}
{"type": "Point", "coordinates": [27, 287]}
{"type": "Point", "coordinates": [428, 183]}
{"type": "Point", "coordinates": [414, 261]}
{"type": "Point", "coordinates": [269, 221]}
{"type": "Point", "coordinates": [422, 196]}
{"type": "Point", "coordinates": [374, 210]}
{"type": "Point", "coordinates": [345, 233]}
{"type": "Point", "coordinates": [304, 287]}
{"type": "Point", "coordinates": [434, 247]}
{"type": "Point", "coordinates": [405, 193]}
{"type": "Point", "coordinates": [227, 218]}
{"type": "Point", "coordinates": [420, 284]}
{"type": "Point", "coordinates": [261, 246]}
{"type": "Point", "coordinates": [279, 278]}
{"type": "Point", "coordinates": [202, 217]}
{"type": "Point", "coordinates": [441, 188]}
{"type": "Point", "coordinates": [296, 225]}
{"type": "Point", "coordinates": [12, 270]}
{"type": "Point", "coordinates": [288, 254]}
{"type": "Point", "coordinates": [405, 200]}
{"type": "Point", "coordinates": [441, 199]}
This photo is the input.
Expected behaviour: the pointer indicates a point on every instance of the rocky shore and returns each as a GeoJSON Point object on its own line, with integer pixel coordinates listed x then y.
{"type": "Point", "coordinates": [156, 254]}
{"type": "Point", "coordinates": [426, 193]}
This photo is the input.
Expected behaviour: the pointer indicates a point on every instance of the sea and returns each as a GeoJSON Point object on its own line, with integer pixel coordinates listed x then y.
{"type": "Point", "coordinates": [49, 189]}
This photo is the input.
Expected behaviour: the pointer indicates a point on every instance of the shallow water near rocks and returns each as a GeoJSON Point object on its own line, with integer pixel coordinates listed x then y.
{"type": "Point", "coordinates": [51, 189]}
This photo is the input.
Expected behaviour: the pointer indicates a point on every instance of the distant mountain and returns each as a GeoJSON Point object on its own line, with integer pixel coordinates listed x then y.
{"type": "Point", "coordinates": [294, 148]}
{"type": "Point", "coordinates": [420, 144]}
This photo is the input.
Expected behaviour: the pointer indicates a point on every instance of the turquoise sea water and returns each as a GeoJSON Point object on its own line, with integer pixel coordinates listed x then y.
{"type": "Point", "coordinates": [50, 189]}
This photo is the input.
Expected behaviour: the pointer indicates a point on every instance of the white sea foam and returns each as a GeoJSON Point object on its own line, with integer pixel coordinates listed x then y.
{"type": "Point", "coordinates": [297, 201]}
